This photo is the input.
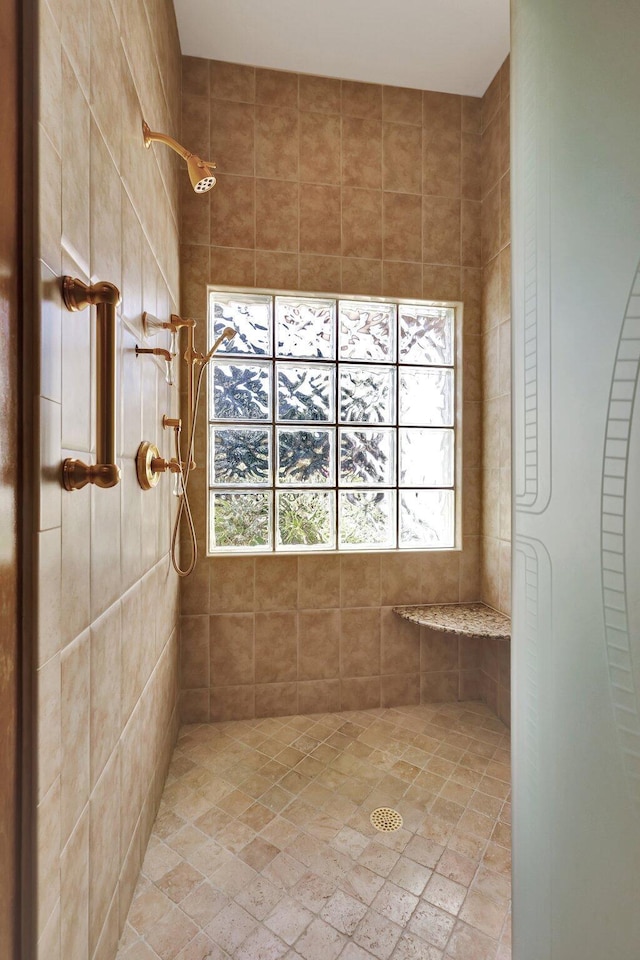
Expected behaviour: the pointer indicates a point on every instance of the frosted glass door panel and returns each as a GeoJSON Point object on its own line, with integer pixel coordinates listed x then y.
{"type": "Point", "coordinates": [576, 598]}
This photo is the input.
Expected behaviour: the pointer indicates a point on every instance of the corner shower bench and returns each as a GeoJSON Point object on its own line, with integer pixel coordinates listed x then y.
{"type": "Point", "coordinates": [463, 619]}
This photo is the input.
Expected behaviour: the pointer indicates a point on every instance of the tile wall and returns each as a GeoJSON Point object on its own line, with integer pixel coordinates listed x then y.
{"type": "Point", "coordinates": [329, 186]}
{"type": "Point", "coordinates": [107, 599]}
{"type": "Point", "coordinates": [496, 361]}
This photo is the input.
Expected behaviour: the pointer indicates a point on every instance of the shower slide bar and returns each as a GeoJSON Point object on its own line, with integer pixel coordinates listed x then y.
{"type": "Point", "coordinates": [105, 472]}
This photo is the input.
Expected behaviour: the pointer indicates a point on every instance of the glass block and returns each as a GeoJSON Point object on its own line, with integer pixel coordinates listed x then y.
{"type": "Point", "coordinates": [426, 396]}
{"type": "Point", "coordinates": [239, 390]}
{"type": "Point", "coordinates": [305, 520]}
{"type": "Point", "coordinates": [306, 456]}
{"type": "Point", "coordinates": [305, 328]}
{"type": "Point", "coordinates": [367, 457]}
{"type": "Point", "coordinates": [306, 391]}
{"type": "Point", "coordinates": [426, 518]}
{"type": "Point", "coordinates": [367, 330]}
{"type": "Point", "coordinates": [248, 314]}
{"type": "Point", "coordinates": [240, 521]}
{"type": "Point", "coordinates": [426, 458]}
{"type": "Point", "coordinates": [239, 456]}
{"type": "Point", "coordinates": [367, 519]}
{"type": "Point", "coordinates": [426, 334]}
{"type": "Point", "coordinates": [367, 394]}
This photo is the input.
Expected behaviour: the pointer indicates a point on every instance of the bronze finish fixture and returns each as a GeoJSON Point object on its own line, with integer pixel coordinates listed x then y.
{"type": "Point", "coordinates": [200, 171]}
{"type": "Point", "coordinates": [105, 473]}
{"type": "Point", "coordinates": [150, 465]}
{"type": "Point", "coordinates": [166, 356]}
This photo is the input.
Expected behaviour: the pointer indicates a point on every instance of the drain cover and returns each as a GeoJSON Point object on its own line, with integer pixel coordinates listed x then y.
{"type": "Point", "coordinates": [385, 819]}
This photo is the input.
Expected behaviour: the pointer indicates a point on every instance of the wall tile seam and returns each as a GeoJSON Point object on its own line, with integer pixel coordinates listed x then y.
{"type": "Point", "coordinates": [127, 191]}
{"type": "Point", "coordinates": [150, 45]}
{"type": "Point", "coordinates": [162, 68]}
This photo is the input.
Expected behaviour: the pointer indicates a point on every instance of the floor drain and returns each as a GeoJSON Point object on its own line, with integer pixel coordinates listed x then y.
{"type": "Point", "coordinates": [385, 819]}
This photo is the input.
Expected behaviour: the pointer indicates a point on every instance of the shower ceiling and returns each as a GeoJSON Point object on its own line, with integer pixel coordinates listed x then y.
{"type": "Point", "coordinates": [455, 46]}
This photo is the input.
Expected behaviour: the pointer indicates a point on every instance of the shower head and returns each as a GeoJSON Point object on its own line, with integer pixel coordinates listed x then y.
{"type": "Point", "coordinates": [200, 171]}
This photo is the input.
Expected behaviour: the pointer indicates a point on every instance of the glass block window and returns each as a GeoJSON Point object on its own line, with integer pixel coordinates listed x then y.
{"type": "Point", "coordinates": [331, 424]}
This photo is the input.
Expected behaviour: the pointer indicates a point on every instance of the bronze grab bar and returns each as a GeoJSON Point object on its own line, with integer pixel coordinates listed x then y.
{"type": "Point", "coordinates": [105, 473]}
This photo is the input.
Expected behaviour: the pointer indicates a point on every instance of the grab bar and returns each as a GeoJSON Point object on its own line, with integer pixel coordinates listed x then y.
{"type": "Point", "coordinates": [106, 297]}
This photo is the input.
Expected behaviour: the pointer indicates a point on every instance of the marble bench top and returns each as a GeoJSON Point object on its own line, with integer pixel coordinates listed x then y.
{"type": "Point", "coordinates": [465, 619]}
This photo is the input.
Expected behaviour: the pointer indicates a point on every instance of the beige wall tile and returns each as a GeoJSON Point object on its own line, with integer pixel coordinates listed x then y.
{"type": "Point", "coordinates": [320, 274]}
{"type": "Point", "coordinates": [194, 652]}
{"type": "Point", "coordinates": [277, 270]}
{"type": "Point", "coordinates": [402, 105]}
{"type": "Point", "coordinates": [361, 153]}
{"type": "Point", "coordinates": [232, 81]}
{"type": "Point", "coordinates": [320, 147]}
{"type": "Point", "coordinates": [195, 76]}
{"type": "Point", "coordinates": [491, 223]}
{"type": "Point", "coordinates": [360, 580]}
{"type": "Point", "coordinates": [438, 687]}
{"type": "Point", "coordinates": [74, 891]}
{"type": "Point", "coordinates": [277, 142]}
{"type": "Point", "coordinates": [400, 579]}
{"type": "Point", "coordinates": [319, 581]}
{"type": "Point", "coordinates": [233, 216]}
{"type": "Point", "coordinates": [442, 162]}
{"type": "Point", "coordinates": [232, 584]}
{"type": "Point", "coordinates": [49, 686]}
{"type": "Point", "coordinates": [471, 169]}
{"type": "Point", "coordinates": [361, 223]}
{"type": "Point", "coordinates": [402, 232]}
{"type": "Point", "coordinates": [232, 137]}
{"type": "Point", "coordinates": [361, 100]}
{"type": "Point", "coordinates": [233, 703]}
{"type": "Point", "coordinates": [360, 642]}
{"type": "Point", "coordinates": [441, 113]}
{"type": "Point", "coordinates": [402, 150]}
{"type": "Point", "coordinates": [196, 128]}
{"type": "Point", "coordinates": [194, 706]}
{"type": "Point", "coordinates": [438, 651]}
{"type": "Point", "coordinates": [276, 583]}
{"type": "Point", "coordinates": [277, 87]}
{"type": "Point", "coordinates": [276, 699]}
{"type": "Point", "coordinates": [444, 132]}
{"type": "Point", "coordinates": [360, 693]}
{"type": "Point", "coordinates": [75, 733]}
{"type": "Point", "coordinates": [319, 696]}
{"type": "Point", "coordinates": [318, 644]}
{"type": "Point", "coordinates": [48, 841]}
{"type": "Point", "coordinates": [319, 94]}
{"type": "Point", "coordinates": [232, 649]}
{"type": "Point", "coordinates": [401, 279]}
{"type": "Point", "coordinates": [362, 276]}
{"type": "Point", "coordinates": [104, 826]}
{"type": "Point", "coordinates": [231, 267]}
{"type": "Point", "coordinates": [194, 267]}
{"type": "Point", "coordinates": [105, 658]}
{"type": "Point", "coordinates": [320, 219]}
{"type": "Point", "coordinates": [276, 646]}
{"type": "Point", "coordinates": [398, 691]}
{"type": "Point", "coordinates": [440, 230]}
{"type": "Point", "coordinates": [276, 215]}
{"type": "Point", "coordinates": [470, 234]}
{"type": "Point", "coordinates": [443, 283]}
{"type": "Point", "coordinates": [49, 576]}
{"type": "Point", "coordinates": [472, 115]}
{"type": "Point", "coordinates": [400, 644]}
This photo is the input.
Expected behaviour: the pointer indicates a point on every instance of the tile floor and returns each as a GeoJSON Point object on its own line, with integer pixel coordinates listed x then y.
{"type": "Point", "coordinates": [263, 848]}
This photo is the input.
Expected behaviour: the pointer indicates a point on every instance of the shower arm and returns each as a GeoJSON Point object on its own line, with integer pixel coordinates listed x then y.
{"type": "Point", "coordinates": [152, 136]}
{"type": "Point", "coordinates": [106, 297]}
